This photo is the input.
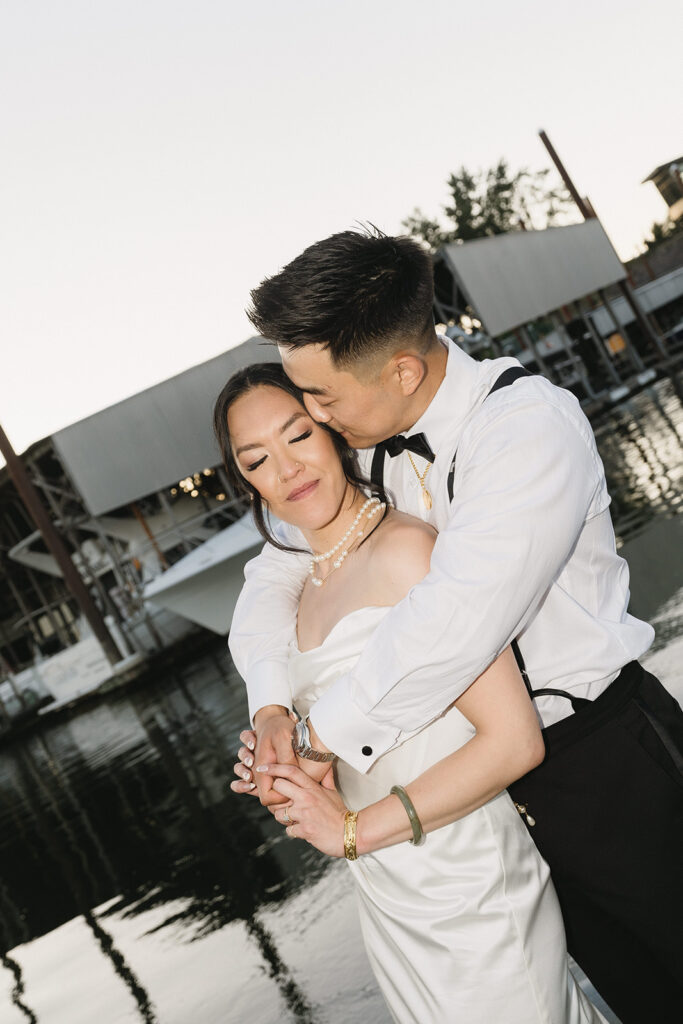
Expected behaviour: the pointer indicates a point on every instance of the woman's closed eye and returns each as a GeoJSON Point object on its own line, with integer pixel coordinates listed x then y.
{"type": "Point", "coordinates": [259, 462]}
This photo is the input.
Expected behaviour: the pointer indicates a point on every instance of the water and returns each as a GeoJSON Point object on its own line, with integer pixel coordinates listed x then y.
{"type": "Point", "coordinates": [134, 886]}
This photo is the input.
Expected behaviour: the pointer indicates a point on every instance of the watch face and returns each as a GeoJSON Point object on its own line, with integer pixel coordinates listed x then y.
{"type": "Point", "coordinates": [302, 740]}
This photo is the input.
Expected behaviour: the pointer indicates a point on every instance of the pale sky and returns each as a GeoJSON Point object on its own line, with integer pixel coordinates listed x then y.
{"type": "Point", "coordinates": [161, 157]}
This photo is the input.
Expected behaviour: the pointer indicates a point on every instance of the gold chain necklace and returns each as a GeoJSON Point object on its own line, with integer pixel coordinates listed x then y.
{"type": "Point", "coordinates": [426, 496]}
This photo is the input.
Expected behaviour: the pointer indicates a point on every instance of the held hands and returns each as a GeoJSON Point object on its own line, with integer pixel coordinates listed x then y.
{"type": "Point", "coordinates": [318, 771]}
{"type": "Point", "coordinates": [314, 812]}
{"type": "Point", "coordinates": [272, 744]}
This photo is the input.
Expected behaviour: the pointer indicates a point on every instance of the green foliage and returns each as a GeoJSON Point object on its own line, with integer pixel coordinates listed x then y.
{"type": "Point", "coordinates": [491, 202]}
{"type": "Point", "coordinates": [662, 231]}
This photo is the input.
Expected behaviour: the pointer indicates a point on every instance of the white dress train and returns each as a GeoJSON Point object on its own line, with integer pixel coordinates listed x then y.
{"type": "Point", "coordinates": [465, 928]}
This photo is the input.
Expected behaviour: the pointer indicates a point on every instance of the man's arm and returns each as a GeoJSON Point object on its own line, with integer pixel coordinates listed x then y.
{"type": "Point", "coordinates": [525, 484]}
{"type": "Point", "coordinates": [264, 622]}
{"type": "Point", "coordinates": [263, 625]}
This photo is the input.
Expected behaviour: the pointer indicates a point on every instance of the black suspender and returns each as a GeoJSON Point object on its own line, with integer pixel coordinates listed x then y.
{"type": "Point", "coordinates": [506, 378]}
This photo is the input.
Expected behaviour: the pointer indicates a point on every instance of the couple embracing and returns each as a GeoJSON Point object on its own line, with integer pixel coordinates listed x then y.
{"type": "Point", "coordinates": [441, 669]}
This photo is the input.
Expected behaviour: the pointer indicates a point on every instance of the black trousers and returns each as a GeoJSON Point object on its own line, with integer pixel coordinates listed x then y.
{"type": "Point", "coordinates": [608, 808]}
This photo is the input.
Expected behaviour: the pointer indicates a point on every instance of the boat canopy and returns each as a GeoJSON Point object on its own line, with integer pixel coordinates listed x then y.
{"type": "Point", "coordinates": [154, 438]}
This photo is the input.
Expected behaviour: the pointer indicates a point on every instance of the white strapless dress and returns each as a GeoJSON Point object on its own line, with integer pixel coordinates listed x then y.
{"type": "Point", "coordinates": [465, 928]}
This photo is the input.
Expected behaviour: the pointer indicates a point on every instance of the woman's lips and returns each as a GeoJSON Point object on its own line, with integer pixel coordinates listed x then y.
{"type": "Point", "coordinates": [303, 492]}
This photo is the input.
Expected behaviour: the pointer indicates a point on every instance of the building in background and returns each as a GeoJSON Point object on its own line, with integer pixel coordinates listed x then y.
{"type": "Point", "coordinates": [668, 178]}
{"type": "Point", "coordinates": [138, 495]}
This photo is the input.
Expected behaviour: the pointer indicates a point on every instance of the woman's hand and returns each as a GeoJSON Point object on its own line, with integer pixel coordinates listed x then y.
{"type": "Point", "coordinates": [318, 771]}
{"type": "Point", "coordinates": [245, 763]}
{"type": "Point", "coordinates": [315, 812]}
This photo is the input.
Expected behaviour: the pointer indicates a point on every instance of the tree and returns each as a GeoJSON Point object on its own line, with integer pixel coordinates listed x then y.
{"type": "Point", "coordinates": [492, 202]}
{"type": "Point", "coordinates": [661, 232]}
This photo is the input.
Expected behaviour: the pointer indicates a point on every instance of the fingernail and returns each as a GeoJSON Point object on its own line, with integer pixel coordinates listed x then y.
{"type": "Point", "coordinates": [252, 785]}
{"type": "Point", "coordinates": [246, 776]}
{"type": "Point", "coordinates": [250, 744]}
{"type": "Point", "coordinates": [249, 761]}
{"type": "Point", "coordinates": [262, 768]}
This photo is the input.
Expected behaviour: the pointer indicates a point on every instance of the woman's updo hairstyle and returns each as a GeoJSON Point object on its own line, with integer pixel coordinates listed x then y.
{"type": "Point", "coordinates": [241, 383]}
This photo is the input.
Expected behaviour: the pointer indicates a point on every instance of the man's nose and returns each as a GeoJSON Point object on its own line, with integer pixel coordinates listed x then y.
{"type": "Point", "coordinates": [315, 410]}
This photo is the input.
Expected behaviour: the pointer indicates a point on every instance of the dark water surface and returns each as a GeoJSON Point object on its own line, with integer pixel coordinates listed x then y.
{"type": "Point", "coordinates": [134, 886]}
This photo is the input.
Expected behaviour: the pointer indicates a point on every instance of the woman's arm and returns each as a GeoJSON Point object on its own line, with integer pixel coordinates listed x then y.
{"type": "Point", "coordinates": [507, 744]}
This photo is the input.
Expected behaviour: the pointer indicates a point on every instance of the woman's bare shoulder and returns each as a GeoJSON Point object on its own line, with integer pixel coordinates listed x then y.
{"type": "Point", "coordinates": [401, 553]}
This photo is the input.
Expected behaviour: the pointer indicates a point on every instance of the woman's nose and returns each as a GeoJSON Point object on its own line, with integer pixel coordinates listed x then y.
{"type": "Point", "coordinates": [288, 470]}
{"type": "Point", "coordinates": [315, 410]}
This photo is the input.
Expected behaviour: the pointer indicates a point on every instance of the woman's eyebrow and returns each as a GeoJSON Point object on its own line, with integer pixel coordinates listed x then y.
{"type": "Point", "coordinates": [285, 426]}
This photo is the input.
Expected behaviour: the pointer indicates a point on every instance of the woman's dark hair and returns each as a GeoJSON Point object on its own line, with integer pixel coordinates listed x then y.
{"type": "Point", "coordinates": [241, 383]}
{"type": "Point", "coordinates": [353, 292]}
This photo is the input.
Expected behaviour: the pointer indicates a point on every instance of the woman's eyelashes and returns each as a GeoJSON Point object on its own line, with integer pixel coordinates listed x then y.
{"type": "Point", "coordinates": [259, 462]}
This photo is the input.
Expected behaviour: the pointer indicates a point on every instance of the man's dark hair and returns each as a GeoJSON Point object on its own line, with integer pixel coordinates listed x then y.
{"type": "Point", "coordinates": [353, 292]}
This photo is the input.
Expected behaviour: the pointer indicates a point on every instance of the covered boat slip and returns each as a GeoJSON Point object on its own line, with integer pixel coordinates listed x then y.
{"type": "Point", "coordinates": [133, 490]}
{"type": "Point", "coordinates": [152, 440]}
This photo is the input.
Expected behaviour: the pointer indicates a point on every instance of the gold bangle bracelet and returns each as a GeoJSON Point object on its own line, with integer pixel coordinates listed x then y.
{"type": "Point", "coordinates": [418, 835]}
{"type": "Point", "coordinates": [350, 819]}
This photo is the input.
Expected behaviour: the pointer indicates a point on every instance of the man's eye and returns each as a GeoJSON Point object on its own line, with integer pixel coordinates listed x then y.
{"type": "Point", "coordinates": [301, 437]}
{"type": "Point", "coordinates": [255, 465]}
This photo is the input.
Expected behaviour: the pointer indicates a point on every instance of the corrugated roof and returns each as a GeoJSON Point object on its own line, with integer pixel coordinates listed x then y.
{"type": "Point", "coordinates": [154, 438]}
{"type": "Point", "coordinates": [663, 167]}
{"type": "Point", "coordinates": [515, 278]}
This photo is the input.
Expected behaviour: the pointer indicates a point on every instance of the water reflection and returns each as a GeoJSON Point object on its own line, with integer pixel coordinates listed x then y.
{"type": "Point", "coordinates": [128, 804]}
{"type": "Point", "coordinates": [122, 847]}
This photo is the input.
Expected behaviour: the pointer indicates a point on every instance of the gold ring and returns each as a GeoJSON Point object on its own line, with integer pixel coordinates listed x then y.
{"type": "Point", "coordinates": [286, 817]}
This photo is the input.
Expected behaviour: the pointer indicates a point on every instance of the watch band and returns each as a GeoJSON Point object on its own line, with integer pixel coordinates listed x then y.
{"type": "Point", "coordinates": [301, 744]}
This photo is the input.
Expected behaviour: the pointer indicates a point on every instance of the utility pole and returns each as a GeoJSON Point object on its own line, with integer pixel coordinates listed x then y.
{"type": "Point", "coordinates": [56, 546]}
{"type": "Point", "coordinates": [588, 213]}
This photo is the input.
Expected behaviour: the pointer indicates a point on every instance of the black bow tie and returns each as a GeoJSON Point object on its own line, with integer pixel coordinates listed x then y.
{"type": "Point", "coordinates": [418, 444]}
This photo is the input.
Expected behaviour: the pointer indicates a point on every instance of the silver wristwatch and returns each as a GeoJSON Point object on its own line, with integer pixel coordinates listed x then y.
{"type": "Point", "coordinates": [301, 744]}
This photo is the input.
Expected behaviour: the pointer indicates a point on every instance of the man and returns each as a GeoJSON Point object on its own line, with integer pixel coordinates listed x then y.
{"type": "Point", "coordinates": [508, 472]}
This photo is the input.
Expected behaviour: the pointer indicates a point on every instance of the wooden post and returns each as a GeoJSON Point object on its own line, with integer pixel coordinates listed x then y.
{"type": "Point", "coordinates": [55, 544]}
{"type": "Point", "coordinates": [588, 213]}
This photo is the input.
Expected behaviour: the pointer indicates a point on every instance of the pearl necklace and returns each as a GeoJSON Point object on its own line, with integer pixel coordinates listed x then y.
{"type": "Point", "coordinates": [375, 506]}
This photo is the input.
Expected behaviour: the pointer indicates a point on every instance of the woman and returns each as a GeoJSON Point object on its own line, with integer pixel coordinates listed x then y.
{"type": "Point", "coordinates": [466, 926]}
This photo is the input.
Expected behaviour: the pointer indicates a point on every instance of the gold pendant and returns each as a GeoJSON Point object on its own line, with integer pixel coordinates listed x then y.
{"type": "Point", "coordinates": [426, 498]}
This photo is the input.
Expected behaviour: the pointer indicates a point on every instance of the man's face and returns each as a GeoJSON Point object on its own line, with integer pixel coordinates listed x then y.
{"type": "Point", "coordinates": [363, 412]}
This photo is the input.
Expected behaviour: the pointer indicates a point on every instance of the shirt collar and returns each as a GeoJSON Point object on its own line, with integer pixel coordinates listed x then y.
{"type": "Point", "coordinates": [464, 384]}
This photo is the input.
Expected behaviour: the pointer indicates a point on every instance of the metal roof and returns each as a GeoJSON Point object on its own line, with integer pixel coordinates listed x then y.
{"type": "Point", "coordinates": [678, 163]}
{"type": "Point", "coordinates": [154, 438]}
{"type": "Point", "coordinates": [514, 278]}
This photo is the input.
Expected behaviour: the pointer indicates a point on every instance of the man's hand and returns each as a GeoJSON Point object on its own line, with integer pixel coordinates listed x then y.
{"type": "Point", "coordinates": [321, 772]}
{"type": "Point", "coordinates": [274, 728]}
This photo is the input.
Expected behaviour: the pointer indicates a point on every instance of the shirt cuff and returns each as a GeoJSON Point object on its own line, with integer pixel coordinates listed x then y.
{"type": "Point", "coordinates": [348, 731]}
{"type": "Point", "coordinates": [264, 687]}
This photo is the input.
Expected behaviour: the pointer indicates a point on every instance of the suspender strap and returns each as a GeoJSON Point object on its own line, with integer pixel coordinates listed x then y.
{"type": "Point", "coordinates": [576, 702]}
{"type": "Point", "coordinates": [377, 467]}
{"type": "Point", "coordinates": [506, 378]}
{"type": "Point", "coordinates": [509, 376]}
{"type": "Point", "coordinates": [521, 666]}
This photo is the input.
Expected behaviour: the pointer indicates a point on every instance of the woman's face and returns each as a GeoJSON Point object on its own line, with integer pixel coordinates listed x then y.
{"type": "Point", "coordinates": [288, 457]}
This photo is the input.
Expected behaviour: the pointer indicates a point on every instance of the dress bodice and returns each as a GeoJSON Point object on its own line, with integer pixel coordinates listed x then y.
{"type": "Point", "coordinates": [314, 671]}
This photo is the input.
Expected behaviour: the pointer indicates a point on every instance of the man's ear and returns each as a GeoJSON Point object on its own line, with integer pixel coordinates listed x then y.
{"type": "Point", "coordinates": [410, 371]}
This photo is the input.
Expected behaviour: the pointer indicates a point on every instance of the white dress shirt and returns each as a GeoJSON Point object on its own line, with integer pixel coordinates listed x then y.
{"type": "Point", "coordinates": [525, 549]}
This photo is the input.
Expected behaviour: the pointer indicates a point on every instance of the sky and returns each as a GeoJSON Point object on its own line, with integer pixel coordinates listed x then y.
{"type": "Point", "coordinates": [161, 157]}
